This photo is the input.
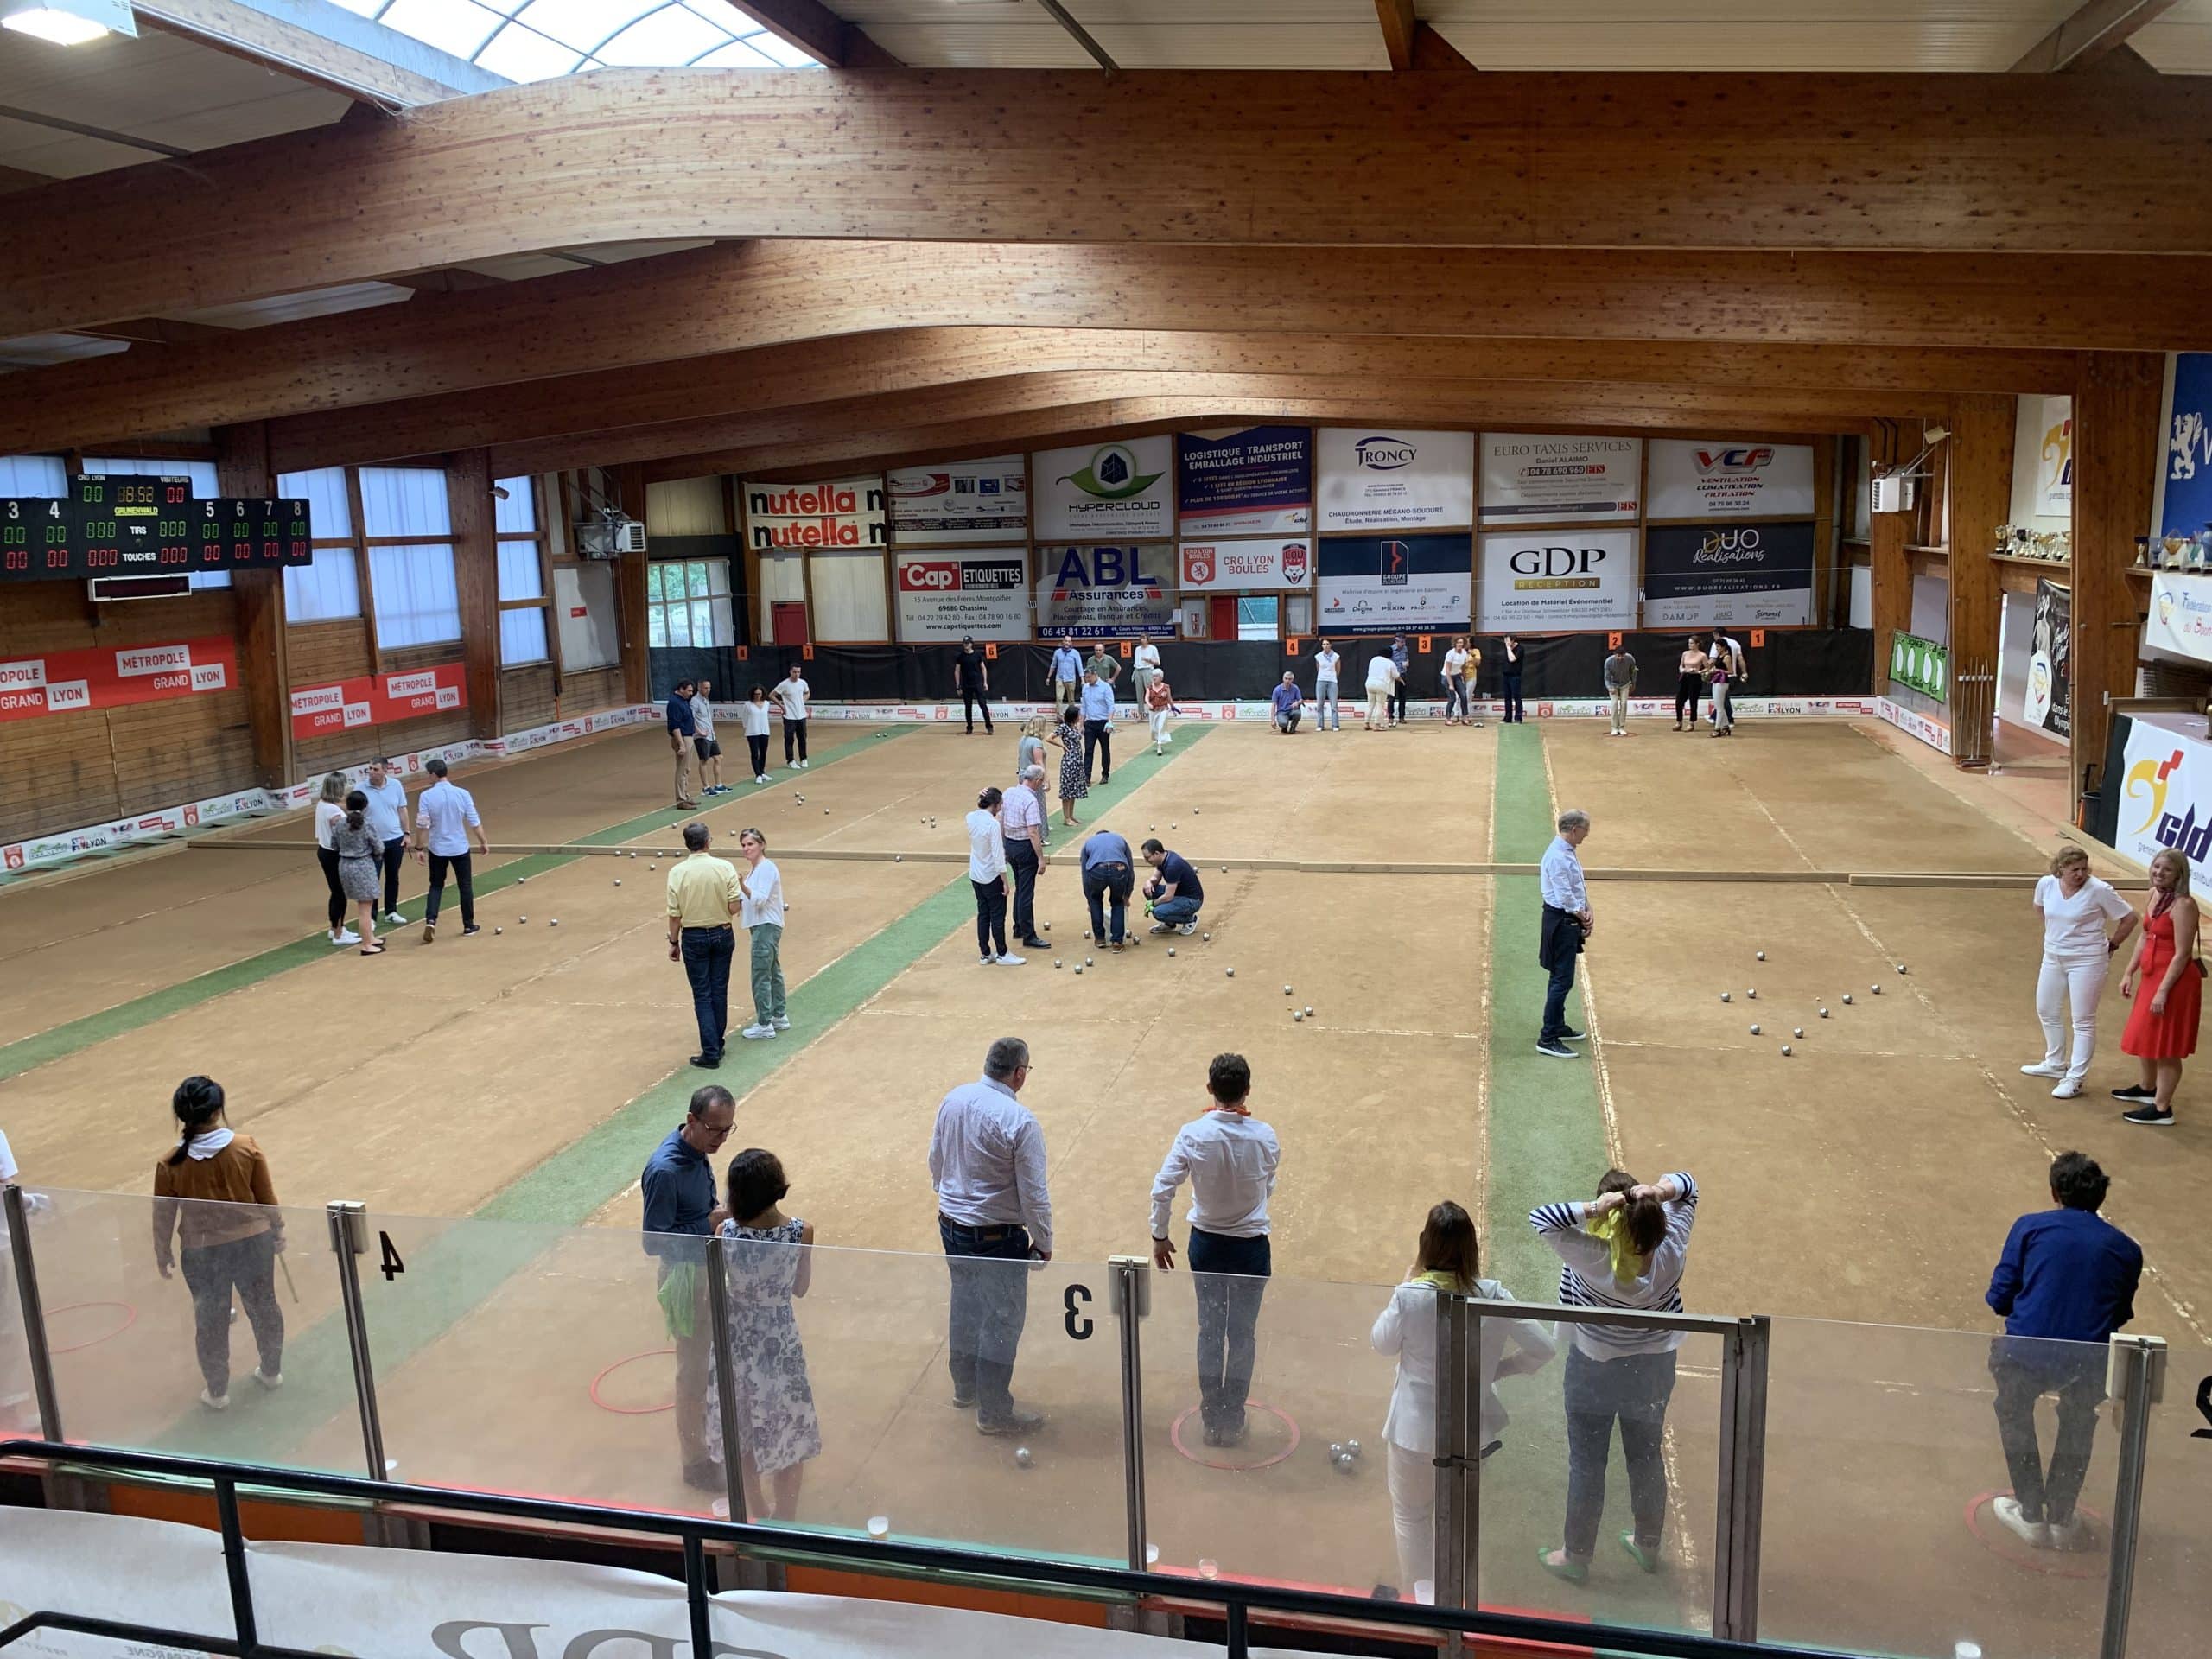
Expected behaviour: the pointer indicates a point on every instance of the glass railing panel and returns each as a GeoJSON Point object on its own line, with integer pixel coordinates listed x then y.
{"type": "Point", "coordinates": [2172, 1606]}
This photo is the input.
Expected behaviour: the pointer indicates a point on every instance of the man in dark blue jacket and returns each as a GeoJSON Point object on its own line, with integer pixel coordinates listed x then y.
{"type": "Point", "coordinates": [682, 727]}
{"type": "Point", "coordinates": [2065, 1283]}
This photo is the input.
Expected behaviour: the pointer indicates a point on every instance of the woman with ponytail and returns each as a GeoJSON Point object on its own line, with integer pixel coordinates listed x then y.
{"type": "Point", "coordinates": [212, 1197]}
{"type": "Point", "coordinates": [361, 866]}
{"type": "Point", "coordinates": [329, 813]}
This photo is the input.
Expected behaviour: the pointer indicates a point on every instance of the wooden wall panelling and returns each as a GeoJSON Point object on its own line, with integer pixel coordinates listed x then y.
{"type": "Point", "coordinates": [1574, 161]}
{"type": "Point", "coordinates": [1979, 481]}
{"type": "Point", "coordinates": [591, 690]}
{"type": "Point", "coordinates": [476, 580]}
{"type": "Point", "coordinates": [264, 672]}
{"type": "Point", "coordinates": [526, 698]}
{"type": "Point", "coordinates": [1887, 533]}
{"type": "Point", "coordinates": [2119, 447]}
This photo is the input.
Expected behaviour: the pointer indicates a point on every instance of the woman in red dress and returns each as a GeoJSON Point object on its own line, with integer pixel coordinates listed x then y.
{"type": "Point", "coordinates": [2162, 1026]}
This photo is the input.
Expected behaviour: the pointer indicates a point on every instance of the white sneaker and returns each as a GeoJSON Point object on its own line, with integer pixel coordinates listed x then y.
{"type": "Point", "coordinates": [2043, 1069]}
{"type": "Point", "coordinates": [393, 918]}
{"type": "Point", "coordinates": [802, 765]}
{"type": "Point", "coordinates": [345, 936]}
{"type": "Point", "coordinates": [780, 1023]}
{"type": "Point", "coordinates": [271, 1383]}
{"type": "Point", "coordinates": [762, 778]}
{"type": "Point", "coordinates": [214, 1402]}
{"type": "Point", "coordinates": [2073, 1534]}
{"type": "Point", "coordinates": [758, 1033]}
{"type": "Point", "coordinates": [2007, 1510]}
{"type": "Point", "coordinates": [1012, 961]}
{"type": "Point", "coordinates": [2069, 1089]}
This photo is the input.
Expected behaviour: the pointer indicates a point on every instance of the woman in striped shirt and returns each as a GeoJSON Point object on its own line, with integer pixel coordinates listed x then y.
{"type": "Point", "coordinates": [1624, 1249]}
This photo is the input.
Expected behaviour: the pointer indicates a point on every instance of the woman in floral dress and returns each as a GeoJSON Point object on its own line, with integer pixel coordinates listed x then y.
{"type": "Point", "coordinates": [769, 1264]}
{"type": "Point", "coordinates": [1074, 786]}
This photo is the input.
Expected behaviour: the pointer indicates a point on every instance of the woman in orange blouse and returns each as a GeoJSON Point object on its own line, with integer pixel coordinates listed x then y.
{"type": "Point", "coordinates": [212, 1195]}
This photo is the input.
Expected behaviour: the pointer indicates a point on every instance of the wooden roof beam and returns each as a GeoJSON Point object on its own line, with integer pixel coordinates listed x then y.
{"type": "Point", "coordinates": [2098, 28]}
{"type": "Point", "coordinates": [1861, 162]}
{"type": "Point", "coordinates": [1399, 25]}
{"type": "Point", "coordinates": [821, 34]}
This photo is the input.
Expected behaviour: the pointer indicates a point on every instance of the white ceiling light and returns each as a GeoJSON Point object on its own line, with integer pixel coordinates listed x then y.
{"type": "Point", "coordinates": [68, 22]}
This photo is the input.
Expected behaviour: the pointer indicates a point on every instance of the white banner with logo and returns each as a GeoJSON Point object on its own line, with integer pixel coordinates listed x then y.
{"type": "Point", "coordinates": [1233, 567]}
{"type": "Point", "coordinates": [2179, 626]}
{"type": "Point", "coordinates": [1707, 478]}
{"type": "Point", "coordinates": [1106, 491]}
{"type": "Point", "coordinates": [956, 501]}
{"type": "Point", "coordinates": [2165, 796]}
{"type": "Point", "coordinates": [1555, 581]}
{"type": "Point", "coordinates": [1378, 478]}
{"type": "Point", "coordinates": [357, 1602]}
{"type": "Point", "coordinates": [2055, 457]}
{"type": "Point", "coordinates": [952, 593]}
{"type": "Point", "coordinates": [1532, 476]}
{"type": "Point", "coordinates": [846, 513]}
{"type": "Point", "coordinates": [1104, 593]}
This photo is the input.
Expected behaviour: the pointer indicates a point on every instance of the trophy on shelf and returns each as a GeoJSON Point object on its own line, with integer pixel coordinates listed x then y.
{"type": "Point", "coordinates": [2003, 545]}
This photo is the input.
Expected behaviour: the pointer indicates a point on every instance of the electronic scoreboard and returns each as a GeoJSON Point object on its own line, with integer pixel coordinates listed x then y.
{"type": "Point", "coordinates": [146, 527]}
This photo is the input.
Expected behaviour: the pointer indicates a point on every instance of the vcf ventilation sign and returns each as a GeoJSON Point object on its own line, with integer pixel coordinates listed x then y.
{"type": "Point", "coordinates": [951, 593]}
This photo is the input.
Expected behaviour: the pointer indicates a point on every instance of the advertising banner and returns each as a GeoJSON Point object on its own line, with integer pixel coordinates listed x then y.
{"type": "Point", "coordinates": [847, 513]}
{"type": "Point", "coordinates": [2185, 487]}
{"type": "Point", "coordinates": [1220, 567]}
{"type": "Point", "coordinates": [1373, 479]}
{"type": "Point", "coordinates": [1920, 664]}
{"type": "Point", "coordinates": [1247, 481]}
{"type": "Point", "coordinates": [1707, 478]}
{"type": "Point", "coordinates": [2165, 796]}
{"type": "Point", "coordinates": [1531, 476]}
{"type": "Point", "coordinates": [378, 700]}
{"type": "Point", "coordinates": [2055, 460]}
{"type": "Point", "coordinates": [1759, 575]}
{"type": "Point", "coordinates": [1105, 592]}
{"type": "Point", "coordinates": [951, 593]}
{"type": "Point", "coordinates": [2049, 702]}
{"type": "Point", "coordinates": [2179, 626]}
{"type": "Point", "coordinates": [1123, 490]}
{"type": "Point", "coordinates": [1395, 585]}
{"type": "Point", "coordinates": [961, 501]}
{"type": "Point", "coordinates": [1554, 581]}
{"type": "Point", "coordinates": [108, 677]}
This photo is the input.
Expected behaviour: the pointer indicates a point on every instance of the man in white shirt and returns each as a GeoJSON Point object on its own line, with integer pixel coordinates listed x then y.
{"type": "Point", "coordinates": [702, 739]}
{"type": "Point", "coordinates": [1566, 923]}
{"type": "Point", "coordinates": [994, 1216]}
{"type": "Point", "coordinates": [1021, 825]}
{"type": "Point", "coordinates": [1230, 1158]}
{"type": "Point", "coordinates": [1327, 715]}
{"type": "Point", "coordinates": [791, 693]}
{"type": "Point", "coordinates": [1381, 681]}
{"type": "Point", "coordinates": [986, 875]}
{"type": "Point", "coordinates": [387, 822]}
{"type": "Point", "coordinates": [445, 822]}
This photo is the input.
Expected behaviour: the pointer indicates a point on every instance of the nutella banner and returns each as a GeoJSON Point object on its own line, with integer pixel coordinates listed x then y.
{"type": "Point", "coordinates": [847, 513]}
{"type": "Point", "coordinates": [1530, 477]}
{"type": "Point", "coordinates": [1242, 567]}
{"type": "Point", "coordinates": [956, 592]}
{"type": "Point", "coordinates": [63, 682]}
{"type": "Point", "coordinates": [957, 501]}
{"type": "Point", "coordinates": [320, 710]}
{"type": "Point", "coordinates": [1705, 479]}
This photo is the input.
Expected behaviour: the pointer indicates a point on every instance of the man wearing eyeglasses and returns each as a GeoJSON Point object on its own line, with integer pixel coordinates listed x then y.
{"type": "Point", "coordinates": [681, 1211]}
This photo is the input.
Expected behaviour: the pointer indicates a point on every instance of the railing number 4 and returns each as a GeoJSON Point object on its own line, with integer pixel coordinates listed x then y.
{"type": "Point", "coordinates": [388, 1261]}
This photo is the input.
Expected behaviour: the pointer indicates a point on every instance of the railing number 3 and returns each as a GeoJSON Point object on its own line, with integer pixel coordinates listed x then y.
{"type": "Point", "coordinates": [1079, 1328]}
{"type": "Point", "coordinates": [388, 1261]}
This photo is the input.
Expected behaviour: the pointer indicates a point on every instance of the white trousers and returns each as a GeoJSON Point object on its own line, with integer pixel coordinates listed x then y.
{"type": "Point", "coordinates": [1378, 710]}
{"type": "Point", "coordinates": [1160, 726]}
{"type": "Point", "coordinates": [1411, 1476]}
{"type": "Point", "coordinates": [2081, 982]}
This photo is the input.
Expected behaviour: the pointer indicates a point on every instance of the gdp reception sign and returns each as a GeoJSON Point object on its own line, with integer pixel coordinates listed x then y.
{"type": "Point", "coordinates": [1554, 581]}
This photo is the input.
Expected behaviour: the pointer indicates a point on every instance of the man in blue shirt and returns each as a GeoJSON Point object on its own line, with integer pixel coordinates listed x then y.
{"type": "Point", "coordinates": [1108, 873]}
{"type": "Point", "coordinates": [2065, 1283]}
{"type": "Point", "coordinates": [682, 727]}
{"type": "Point", "coordinates": [1097, 725]}
{"type": "Point", "coordinates": [1176, 893]}
{"type": "Point", "coordinates": [1067, 672]}
{"type": "Point", "coordinates": [681, 1208]}
{"type": "Point", "coordinates": [1288, 700]}
{"type": "Point", "coordinates": [1566, 922]}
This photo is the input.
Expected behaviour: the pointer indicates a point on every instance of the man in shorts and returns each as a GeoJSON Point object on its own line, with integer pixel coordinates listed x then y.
{"type": "Point", "coordinates": [702, 739]}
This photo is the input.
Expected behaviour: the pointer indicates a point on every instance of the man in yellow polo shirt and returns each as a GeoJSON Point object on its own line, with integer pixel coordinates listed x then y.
{"type": "Point", "coordinates": [703, 895]}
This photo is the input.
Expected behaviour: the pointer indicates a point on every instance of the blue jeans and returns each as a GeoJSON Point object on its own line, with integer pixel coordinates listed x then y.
{"type": "Point", "coordinates": [708, 952]}
{"type": "Point", "coordinates": [1510, 685]}
{"type": "Point", "coordinates": [1113, 884]}
{"type": "Point", "coordinates": [1455, 695]}
{"type": "Point", "coordinates": [1633, 1391]}
{"type": "Point", "coordinates": [1325, 714]}
{"type": "Point", "coordinates": [1175, 911]}
{"type": "Point", "coordinates": [990, 1303]}
{"type": "Point", "coordinates": [1562, 981]}
{"type": "Point", "coordinates": [1231, 1275]}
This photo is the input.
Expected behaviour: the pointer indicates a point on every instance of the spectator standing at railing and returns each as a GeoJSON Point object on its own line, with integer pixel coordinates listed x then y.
{"type": "Point", "coordinates": [1623, 1251]}
{"type": "Point", "coordinates": [230, 1237]}
{"type": "Point", "coordinates": [769, 1259]}
{"type": "Point", "coordinates": [680, 1211]}
{"type": "Point", "coordinates": [2066, 1282]}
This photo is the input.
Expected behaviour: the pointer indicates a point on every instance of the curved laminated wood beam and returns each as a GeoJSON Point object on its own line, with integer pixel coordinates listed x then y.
{"type": "Point", "coordinates": [723, 299]}
{"type": "Point", "coordinates": [1865, 162]}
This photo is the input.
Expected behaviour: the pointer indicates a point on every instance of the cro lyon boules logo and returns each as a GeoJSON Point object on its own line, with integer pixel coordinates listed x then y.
{"type": "Point", "coordinates": [1113, 474]}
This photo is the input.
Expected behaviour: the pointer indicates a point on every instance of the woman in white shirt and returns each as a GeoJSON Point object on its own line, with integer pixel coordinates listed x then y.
{"type": "Point", "coordinates": [760, 911]}
{"type": "Point", "coordinates": [2077, 951]}
{"type": "Point", "coordinates": [987, 874]}
{"type": "Point", "coordinates": [1146, 664]}
{"type": "Point", "coordinates": [1447, 1259]}
{"type": "Point", "coordinates": [1327, 716]}
{"type": "Point", "coordinates": [1455, 684]}
{"type": "Point", "coordinates": [754, 714]}
{"type": "Point", "coordinates": [1382, 677]}
{"type": "Point", "coordinates": [329, 813]}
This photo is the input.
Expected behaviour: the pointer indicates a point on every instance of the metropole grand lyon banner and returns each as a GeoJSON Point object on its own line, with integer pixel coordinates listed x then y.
{"type": "Point", "coordinates": [1390, 479]}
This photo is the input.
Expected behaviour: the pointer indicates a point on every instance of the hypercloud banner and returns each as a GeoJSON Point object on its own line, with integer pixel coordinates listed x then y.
{"type": "Point", "coordinates": [1105, 592]}
{"type": "Point", "coordinates": [951, 593]}
{"type": "Point", "coordinates": [1123, 490]}
{"type": "Point", "coordinates": [1707, 478]}
{"type": "Point", "coordinates": [1755, 575]}
{"type": "Point", "coordinates": [1531, 477]}
{"type": "Point", "coordinates": [961, 501]}
{"type": "Point", "coordinates": [1395, 584]}
{"type": "Point", "coordinates": [1247, 480]}
{"type": "Point", "coordinates": [1547, 581]}
{"type": "Point", "coordinates": [1379, 478]}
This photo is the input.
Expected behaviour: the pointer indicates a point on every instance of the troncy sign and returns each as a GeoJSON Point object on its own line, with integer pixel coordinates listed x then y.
{"type": "Point", "coordinates": [1388, 480]}
{"type": "Point", "coordinates": [847, 513]}
{"type": "Point", "coordinates": [956, 593]}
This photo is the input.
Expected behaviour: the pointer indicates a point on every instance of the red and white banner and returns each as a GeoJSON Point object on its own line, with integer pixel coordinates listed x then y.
{"type": "Point", "coordinates": [378, 700]}
{"type": "Point", "coordinates": [112, 676]}
{"type": "Point", "coordinates": [1259, 565]}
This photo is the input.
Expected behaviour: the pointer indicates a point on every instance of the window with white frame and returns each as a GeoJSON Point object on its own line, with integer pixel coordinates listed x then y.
{"type": "Point", "coordinates": [687, 603]}
{"type": "Point", "coordinates": [418, 603]}
{"type": "Point", "coordinates": [329, 589]}
{"type": "Point", "coordinates": [523, 607]}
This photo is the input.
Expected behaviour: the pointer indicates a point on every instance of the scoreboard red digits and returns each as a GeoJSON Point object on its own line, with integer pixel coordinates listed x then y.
{"type": "Point", "coordinates": [143, 525]}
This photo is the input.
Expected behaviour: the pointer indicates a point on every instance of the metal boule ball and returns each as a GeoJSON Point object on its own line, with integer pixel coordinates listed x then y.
{"type": "Point", "coordinates": [1296, 1018]}
{"type": "Point", "coordinates": [1336, 1448]}
{"type": "Point", "coordinates": [1023, 1457]}
{"type": "Point", "coordinates": [1171, 949]}
{"type": "Point", "coordinates": [1847, 999]}
{"type": "Point", "coordinates": [1230, 972]}
{"type": "Point", "coordinates": [1762, 955]}
{"type": "Point", "coordinates": [1785, 1048]}
{"type": "Point", "coordinates": [1877, 989]}
{"type": "Point", "coordinates": [1797, 1031]}
{"type": "Point", "coordinates": [1725, 997]}
{"type": "Point", "coordinates": [1755, 1030]}
{"type": "Point", "coordinates": [1353, 1446]}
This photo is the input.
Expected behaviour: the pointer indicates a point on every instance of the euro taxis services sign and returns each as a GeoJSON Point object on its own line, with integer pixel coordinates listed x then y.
{"type": "Point", "coordinates": [1239, 566]}
{"type": "Point", "coordinates": [1530, 477]}
{"type": "Point", "coordinates": [1704, 478]}
{"type": "Point", "coordinates": [956, 592]}
{"type": "Point", "coordinates": [2165, 798]}
{"type": "Point", "coordinates": [1123, 490]}
{"type": "Point", "coordinates": [846, 513]}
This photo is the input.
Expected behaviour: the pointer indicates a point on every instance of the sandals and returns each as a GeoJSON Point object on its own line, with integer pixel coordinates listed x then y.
{"type": "Point", "coordinates": [1572, 1571]}
{"type": "Point", "coordinates": [376, 949]}
{"type": "Point", "coordinates": [1646, 1559]}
